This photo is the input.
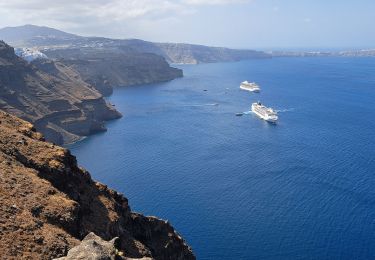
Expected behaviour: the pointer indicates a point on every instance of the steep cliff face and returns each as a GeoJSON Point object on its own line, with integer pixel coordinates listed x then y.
{"type": "Point", "coordinates": [183, 53]}
{"type": "Point", "coordinates": [48, 204]}
{"type": "Point", "coordinates": [108, 68]}
{"type": "Point", "coordinates": [60, 104]}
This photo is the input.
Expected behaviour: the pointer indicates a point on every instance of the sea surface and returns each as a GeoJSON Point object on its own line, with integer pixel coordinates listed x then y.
{"type": "Point", "coordinates": [236, 187]}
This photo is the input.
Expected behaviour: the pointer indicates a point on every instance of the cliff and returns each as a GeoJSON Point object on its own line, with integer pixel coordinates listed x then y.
{"type": "Point", "coordinates": [60, 104]}
{"type": "Point", "coordinates": [108, 68]}
{"type": "Point", "coordinates": [194, 54]}
{"type": "Point", "coordinates": [48, 204]}
{"type": "Point", "coordinates": [183, 53]}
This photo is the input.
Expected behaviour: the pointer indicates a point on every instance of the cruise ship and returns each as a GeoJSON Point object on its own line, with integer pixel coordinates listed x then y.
{"type": "Point", "coordinates": [264, 112]}
{"type": "Point", "coordinates": [250, 86]}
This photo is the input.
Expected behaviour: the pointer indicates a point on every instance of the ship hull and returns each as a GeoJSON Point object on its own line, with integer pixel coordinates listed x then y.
{"type": "Point", "coordinates": [251, 90]}
{"type": "Point", "coordinates": [272, 120]}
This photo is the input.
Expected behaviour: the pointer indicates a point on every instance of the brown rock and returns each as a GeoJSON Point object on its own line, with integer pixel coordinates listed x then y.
{"type": "Point", "coordinates": [93, 247]}
{"type": "Point", "coordinates": [60, 104]}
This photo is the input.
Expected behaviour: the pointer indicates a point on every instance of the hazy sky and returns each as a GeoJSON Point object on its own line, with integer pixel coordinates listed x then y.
{"type": "Point", "coordinates": [231, 23]}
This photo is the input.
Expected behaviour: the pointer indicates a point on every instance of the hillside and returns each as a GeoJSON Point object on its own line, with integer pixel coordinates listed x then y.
{"type": "Point", "coordinates": [183, 53]}
{"type": "Point", "coordinates": [61, 105]}
{"type": "Point", "coordinates": [49, 204]}
{"type": "Point", "coordinates": [26, 34]}
{"type": "Point", "coordinates": [36, 36]}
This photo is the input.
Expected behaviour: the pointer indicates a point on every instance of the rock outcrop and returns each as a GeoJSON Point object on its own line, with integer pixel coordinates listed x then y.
{"type": "Point", "coordinates": [48, 205]}
{"type": "Point", "coordinates": [60, 104]}
{"type": "Point", "coordinates": [93, 247]}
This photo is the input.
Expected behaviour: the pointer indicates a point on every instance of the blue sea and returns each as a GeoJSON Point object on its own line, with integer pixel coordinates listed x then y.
{"type": "Point", "coordinates": [238, 187]}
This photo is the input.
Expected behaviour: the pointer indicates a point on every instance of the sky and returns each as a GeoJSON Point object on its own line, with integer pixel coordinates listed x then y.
{"type": "Point", "coordinates": [261, 24]}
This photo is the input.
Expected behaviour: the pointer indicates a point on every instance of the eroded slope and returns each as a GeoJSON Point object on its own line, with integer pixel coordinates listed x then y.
{"type": "Point", "coordinates": [48, 204]}
{"type": "Point", "coordinates": [62, 108]}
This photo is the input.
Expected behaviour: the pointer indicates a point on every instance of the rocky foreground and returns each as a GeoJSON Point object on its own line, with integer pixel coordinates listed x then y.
{"type": "Point", "coordinates": [48, 205]}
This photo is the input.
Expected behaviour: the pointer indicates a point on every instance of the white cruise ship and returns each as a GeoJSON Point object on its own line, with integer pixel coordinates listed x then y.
{"type": "Point", "coordinates": [250, 86]}
{"type": "Point", "coordinates": [264, 112]}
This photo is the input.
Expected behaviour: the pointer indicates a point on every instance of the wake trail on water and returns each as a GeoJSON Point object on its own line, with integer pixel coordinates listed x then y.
{"type": "Point", "coordinates": [201, 105]}
{"type": "Point", "coordinates": [284, 110]}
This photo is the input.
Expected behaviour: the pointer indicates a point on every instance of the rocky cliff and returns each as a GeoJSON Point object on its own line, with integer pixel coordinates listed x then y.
{"type": "Point", "coordinates": [108, 68]}
{"type": "Point", "coordinates": [60, 104]}
{"type": "Point", "coordinates": [194, 54]}
{"type": "Point", "coordinates": [48, 204]}
{"type": "Point", "coordinates": [183, 53]}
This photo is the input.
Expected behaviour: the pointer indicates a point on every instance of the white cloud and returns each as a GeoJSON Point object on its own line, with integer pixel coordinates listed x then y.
{"type": "Point", "coordinates": [83, 16]}
{"type": "Point", "coordinates": [116, 9]}
{"type": "Point", "coordinates": [131, 9]}
{"type": "Point", "coordinates": [214, 2]}
{"type": "Point", "coordinates": [111, 18]}
{"type": "Point", "coordinates": [108, 9]}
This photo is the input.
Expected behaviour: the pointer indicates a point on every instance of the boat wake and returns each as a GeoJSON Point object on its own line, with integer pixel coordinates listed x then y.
{"type": "Point", "coordinates": [247, 112]}
{"type": "Point", "coordinates": [285, 110]}
{"type": "Point", "coordinates": [201, 105]}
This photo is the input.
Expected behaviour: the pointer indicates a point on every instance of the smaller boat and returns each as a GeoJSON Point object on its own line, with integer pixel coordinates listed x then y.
{"type": "Point", "coordinates": [239, 114]}
{"type": "Point", "coordinates": [250, 86]}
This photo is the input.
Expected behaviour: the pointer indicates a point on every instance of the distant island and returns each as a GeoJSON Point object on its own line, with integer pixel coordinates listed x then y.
{"type": "Point", "coordinates": [348, 53]}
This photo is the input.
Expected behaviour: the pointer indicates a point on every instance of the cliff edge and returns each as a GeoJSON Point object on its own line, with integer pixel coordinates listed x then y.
{"type": "Point", "coordinates": [108, 68]}
{"type": "Point", "coordinates": [49, 204]}
{"type": "Point", "coordinates": [60, 104]}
